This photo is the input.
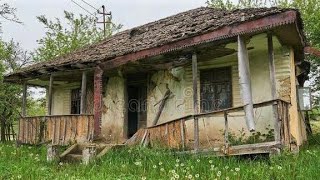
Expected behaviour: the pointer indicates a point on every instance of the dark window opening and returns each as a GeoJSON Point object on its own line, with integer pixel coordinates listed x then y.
{"type": "Point", "coordinates": [215, 89]}
{"type": "Point", "coordinates": [75, 101]}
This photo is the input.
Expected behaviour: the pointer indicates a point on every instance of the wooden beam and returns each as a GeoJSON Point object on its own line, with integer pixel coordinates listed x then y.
{"type": "Point", "coordinates": [226, 130]}
{"type": "Point", "coordinates": [83, 93]}
{"type": "Point", "coordinates": [273, 88]}
{"type": "Point", "coordinates": [195, 100]}
{"type": "Point", "coordinates": [24, 99]}
{"type": "Point", "coordinates": [162, 104]}
{"type": "Point", "coordinates": [50, 95]}
{"type": "Point", "coordinates": [245, 83]}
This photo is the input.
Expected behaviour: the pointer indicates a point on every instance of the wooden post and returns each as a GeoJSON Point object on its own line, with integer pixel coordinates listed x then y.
{"type": "Point", "coordinates": [83, 93]}
{"type": "Point", "coordinates": [273, 88]}
{"type": "Point", "coordinates": [98, 73]}
{"type": "Point", "coordinates": [50, 95]}
{"type": "Point", "coordinates": [24, 99]}
{"type": "Point", "coordinates": [226, 130]}
{"type": "Point", "coordinates": [195, 100]}
{"type": "Point", "coordinates": [245, 83]}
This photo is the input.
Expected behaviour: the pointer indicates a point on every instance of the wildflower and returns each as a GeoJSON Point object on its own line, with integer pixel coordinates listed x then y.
{"type": "Point", "coordinates": [196, 176]}
{"type": "Point", "coordinates": [173, 171]}
{"type": "Point", "coordinates": [219, 173]}
{"type": "Point", "coordinates": [184, 171]}
{"type": "Point", "coordinates": [162, 169]}
{"type": "Point", "coordinates": [279, 167]}
{"type": "Point", "coordinates": [237, 169]}
{"type": "Point", "coordinates": [176, 176]}
{"type": "Point", "coordinates": [66, 175]}
{"type": "Point", "coordinates": [227, 167]}
{"type": "Point", "coordinates": [189, 176]}
{"type": "Point", "coordinates": [154, 166]}
{"type": "Point", "coordinates": [138, 163]}
{"type": "Point", "coordinates": [181, 164]}
{"type": "Point", "coordinates": [144, 178]}
{"type": "Point", "coordinates": [271, 167]}
{"type": "Point", "coordinates": [160, 163]}
{"type": "Point", "coordinates": [198, 160]}
{"type": "Point", "coordinates": [210, 161]}
{"type": "Point", "coordinates": [227, 178]}
{"type": "Point", "coordinates": [235, 173]}
{"type": "Point", "coordinates": [29, 147]}
{"type": "Point", "coordinates": [177, 160]}
{"type": "Point", "coordinates": [19, 176]}
{"type": "Point", "coordinates": [129, 151]}
{"type": "Point", "coordinates": [172, 178]}
{"type": "Point", "coordinates": [60, 163]}
{"type": "Point", "coordinates": [123, 165]}
{"type": "Point", "coordinates": [191, 167]}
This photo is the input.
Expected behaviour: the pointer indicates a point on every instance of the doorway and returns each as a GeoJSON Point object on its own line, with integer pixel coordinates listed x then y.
{"type": "Point", "coordinates": [137, 104]}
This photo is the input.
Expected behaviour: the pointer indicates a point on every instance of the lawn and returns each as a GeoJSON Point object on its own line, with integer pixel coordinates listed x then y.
{"type": "Point", "coordinates": [28, 162]}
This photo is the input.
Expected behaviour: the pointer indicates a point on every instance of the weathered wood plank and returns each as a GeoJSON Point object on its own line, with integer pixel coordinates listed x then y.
{"type": "Point", "coordinates": [226, 130]}
{"type": "Point", "coordinates": [273, 87]}
{"type": "Point", "coordinates": [162, 104]}
{"type": "Point", "coordinates": [24, 99]}
{"type": "Point", "coordinates": [50, 95]}
{"type": "Point", "coordinates": [195, 99]}
{"type": "Point", "coordinates": [83, 93]}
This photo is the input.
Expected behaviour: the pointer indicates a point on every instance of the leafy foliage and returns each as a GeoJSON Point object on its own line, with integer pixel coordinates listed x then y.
{"type": "Point", "coordinates": [78, 32]}
{"type": "Point", "coordinates": [12, 58]}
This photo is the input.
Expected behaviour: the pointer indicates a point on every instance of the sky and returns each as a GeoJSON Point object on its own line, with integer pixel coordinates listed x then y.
{"type": "Point", "coordinates": [130, 13]}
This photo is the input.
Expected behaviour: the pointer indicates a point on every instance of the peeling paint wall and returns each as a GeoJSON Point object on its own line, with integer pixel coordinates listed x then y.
{"type": "Point", "coordinates": [113, 110]}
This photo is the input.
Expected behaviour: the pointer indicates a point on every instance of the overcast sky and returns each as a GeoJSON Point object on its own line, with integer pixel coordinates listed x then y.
{"type": "Point", "coordinates": [130, 13]}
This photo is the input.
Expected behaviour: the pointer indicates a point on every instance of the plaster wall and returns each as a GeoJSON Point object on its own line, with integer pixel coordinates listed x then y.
{"type": "Point", "coordinates": [113, 119]}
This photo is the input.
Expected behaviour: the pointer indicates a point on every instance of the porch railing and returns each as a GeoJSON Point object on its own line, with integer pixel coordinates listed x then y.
{"type": "Point", "coordinates": [55, 129]}
{"type": "Point", "coordinates": [174, 133]}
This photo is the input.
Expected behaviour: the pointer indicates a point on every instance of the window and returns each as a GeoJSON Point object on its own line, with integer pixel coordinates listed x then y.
{"type": "Point", "coordinates": [75, 101]}
{"type": "Point", "coordinates": [215, 89]}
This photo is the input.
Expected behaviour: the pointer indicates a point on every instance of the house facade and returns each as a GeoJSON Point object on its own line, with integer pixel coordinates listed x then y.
{"type": "Point", "coordinates": [200, 79]}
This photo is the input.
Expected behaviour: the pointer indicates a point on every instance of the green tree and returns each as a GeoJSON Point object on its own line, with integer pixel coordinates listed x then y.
{"type": "Point", "coordinates": [78, 32]}
{"type": "Point", "coordinates": [12, 57]}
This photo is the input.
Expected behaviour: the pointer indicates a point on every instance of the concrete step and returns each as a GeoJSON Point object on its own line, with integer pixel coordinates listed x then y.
{"type": "Point", "coordinates": [74, 152]}
{"type": "Point", "coordinates": [73, 158]}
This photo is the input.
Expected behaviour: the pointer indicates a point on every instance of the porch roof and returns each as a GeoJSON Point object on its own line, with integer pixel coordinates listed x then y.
{"type": "Point", "coordinates": [179, 31]}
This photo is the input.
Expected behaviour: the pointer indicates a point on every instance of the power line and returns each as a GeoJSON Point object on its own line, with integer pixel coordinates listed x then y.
{"type": "Point", "coordinates": [89, 5]}
{"type": "Point", "coordinates": [93, 14]}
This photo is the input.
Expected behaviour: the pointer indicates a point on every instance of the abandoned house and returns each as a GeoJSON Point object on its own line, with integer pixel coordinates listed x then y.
{"type": "Point", "coordinates": [200, 81]}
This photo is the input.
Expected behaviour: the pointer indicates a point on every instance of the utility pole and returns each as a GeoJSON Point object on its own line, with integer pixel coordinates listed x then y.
{"type": "Point", "coordinates": [104, 14]}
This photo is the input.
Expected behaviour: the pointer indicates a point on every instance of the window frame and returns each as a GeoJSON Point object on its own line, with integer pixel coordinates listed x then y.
{"type": "Point", "coordinates": [77, 101]}
{"type": "Point", "coordinates": [229, 80]}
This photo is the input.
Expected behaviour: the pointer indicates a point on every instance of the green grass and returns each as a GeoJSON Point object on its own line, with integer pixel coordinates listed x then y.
{"type": "Point", "coordinates": [142, 163]}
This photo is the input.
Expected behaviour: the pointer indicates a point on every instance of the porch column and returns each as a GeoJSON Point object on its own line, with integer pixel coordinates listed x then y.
{"type": "Point", "coordinates": [245, 83]}
{"type": "Point", "coordinates": [24, 99]}
{"type": "Point", "coordinates": [98, 73]}
{"type": "Point", "coordinates": [273, 87]}
{"type": "Point", "coordinates": [195, 100]}
{"type": "Point", "coordinates": [83, 93]}
{"type": "Point", "coordinates": [50, 95]}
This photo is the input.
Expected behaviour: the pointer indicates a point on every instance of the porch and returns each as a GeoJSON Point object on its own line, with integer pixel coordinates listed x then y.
{"type": "Point", "coordinates": [174, 134]}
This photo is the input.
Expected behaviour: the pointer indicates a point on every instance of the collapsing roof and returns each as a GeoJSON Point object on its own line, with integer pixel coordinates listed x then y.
{"type": "Point", "coordinates": [168, 34]}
